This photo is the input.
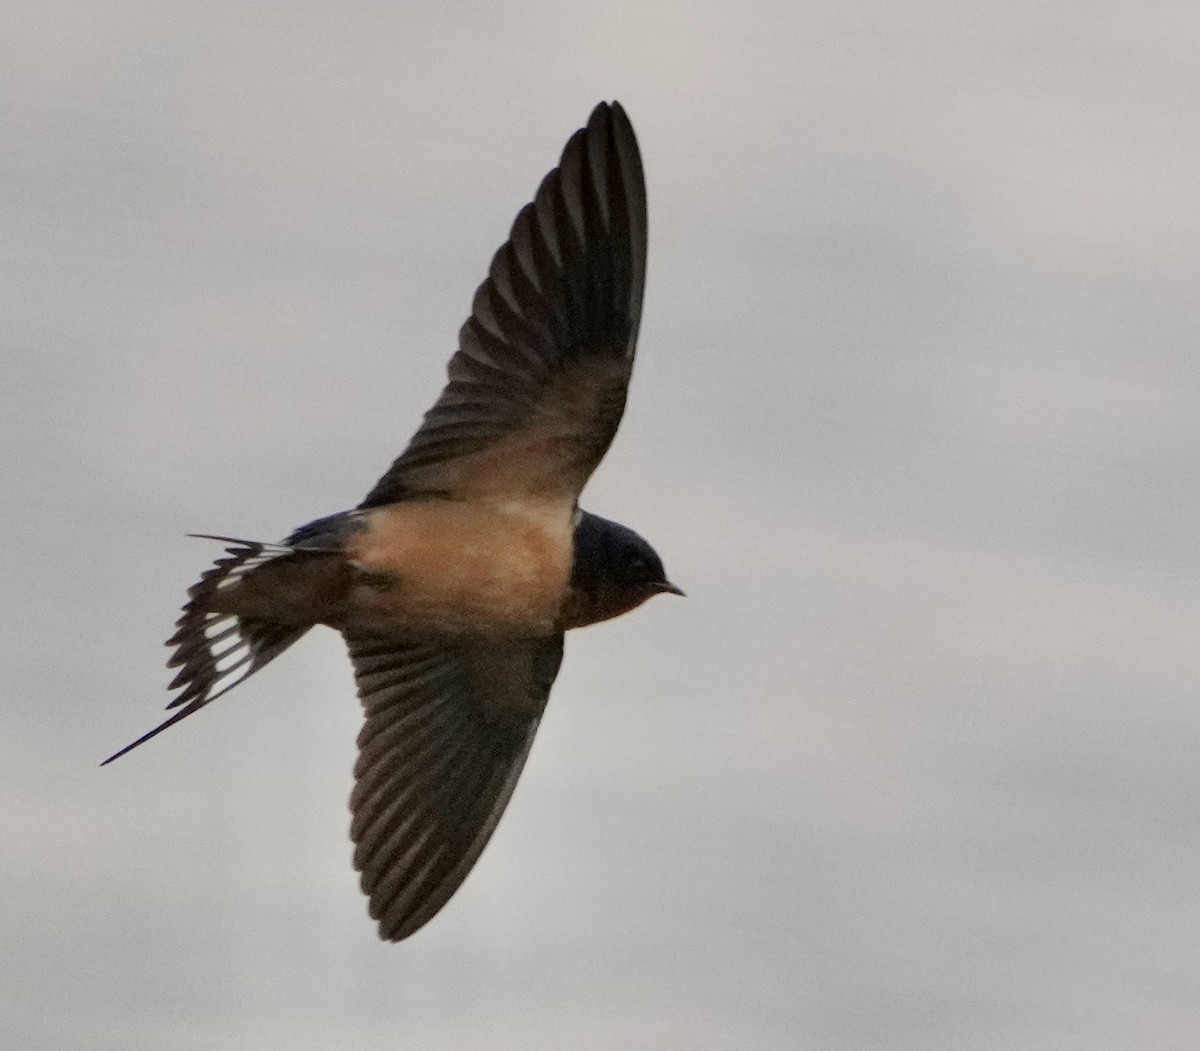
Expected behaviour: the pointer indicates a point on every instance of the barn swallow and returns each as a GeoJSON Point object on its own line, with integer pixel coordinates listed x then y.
{"type": "Point", "coordinates": [454, 580]}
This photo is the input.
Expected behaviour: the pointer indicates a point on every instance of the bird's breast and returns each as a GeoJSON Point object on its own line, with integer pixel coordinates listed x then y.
{"type": "Point", "coordinates": [449, 567]}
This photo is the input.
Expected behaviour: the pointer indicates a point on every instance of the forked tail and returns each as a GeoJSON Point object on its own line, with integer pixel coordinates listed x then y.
{"type": "Point", "coordinates": [215, 651]}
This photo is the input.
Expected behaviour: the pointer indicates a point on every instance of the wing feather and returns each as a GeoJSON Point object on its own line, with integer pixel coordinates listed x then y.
{"type": "Point", "coordinates": [537, 388]}
{"type": "Point", "coordinates": [446, 734]}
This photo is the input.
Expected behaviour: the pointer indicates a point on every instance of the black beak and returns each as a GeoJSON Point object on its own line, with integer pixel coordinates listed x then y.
{"type": "Point", "coordinates": [665, 587]}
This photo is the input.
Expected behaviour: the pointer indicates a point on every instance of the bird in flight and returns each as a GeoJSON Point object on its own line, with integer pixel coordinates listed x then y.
{"type": "Point", "coordinates": [454, 580]}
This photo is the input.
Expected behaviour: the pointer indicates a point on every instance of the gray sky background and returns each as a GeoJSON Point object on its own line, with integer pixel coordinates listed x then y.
{"type": "Point", "coordinates": [916, 424]}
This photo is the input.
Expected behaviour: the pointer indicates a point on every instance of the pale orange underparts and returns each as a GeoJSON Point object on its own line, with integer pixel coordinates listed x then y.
{"type": "Point", "coordinates": [465, 567]}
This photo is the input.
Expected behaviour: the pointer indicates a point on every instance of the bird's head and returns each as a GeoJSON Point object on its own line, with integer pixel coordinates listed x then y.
{"type": "Point", "coordinates": [615, 570]}
{"type": "Point", "coordinates": [635, 565]}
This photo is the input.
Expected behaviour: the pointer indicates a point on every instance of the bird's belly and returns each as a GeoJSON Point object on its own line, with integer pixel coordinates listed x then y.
{"type": "Point", "coordinates": [446, 567]}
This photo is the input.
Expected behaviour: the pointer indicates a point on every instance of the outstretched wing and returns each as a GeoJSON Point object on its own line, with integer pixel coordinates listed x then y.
{"type": "Point", "coordinates": [447, 733]}
{"type": "Point", "coordinates": [538, 384]}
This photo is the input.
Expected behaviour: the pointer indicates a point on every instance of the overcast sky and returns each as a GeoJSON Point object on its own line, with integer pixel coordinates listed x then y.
{"type": "Point", "coordinates": [916, 424]}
